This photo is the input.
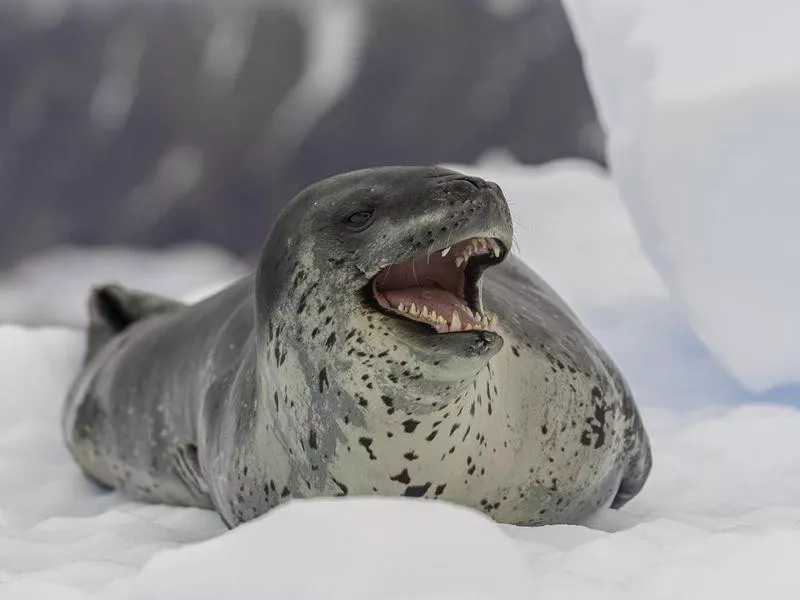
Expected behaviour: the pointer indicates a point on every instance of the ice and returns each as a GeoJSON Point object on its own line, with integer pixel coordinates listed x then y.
{"type": "Point", "coordinates": [718, 519]}
{"type": "Point", "coordinates": [700, 99]}
{"type": "Point", "coordinates": [52, 288]}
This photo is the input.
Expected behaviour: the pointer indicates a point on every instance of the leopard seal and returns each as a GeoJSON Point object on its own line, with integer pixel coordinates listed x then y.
{"type": "Point", "coordinates": [387, 343]}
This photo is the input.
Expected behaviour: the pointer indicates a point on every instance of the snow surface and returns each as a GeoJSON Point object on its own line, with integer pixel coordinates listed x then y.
{"type": "Point", "coordinates": [51, 288]}
{"type": "Point", "coordinates": [699, 98]}
{"type": "Point", "coordinates": [719, 518]}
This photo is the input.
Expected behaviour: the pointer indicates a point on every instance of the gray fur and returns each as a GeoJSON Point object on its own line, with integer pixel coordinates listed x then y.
{"type": "Point", "coordinates": [290, 384]}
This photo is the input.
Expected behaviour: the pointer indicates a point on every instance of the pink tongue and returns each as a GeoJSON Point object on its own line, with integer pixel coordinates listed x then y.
{"type": "Point", "coordinates": [441, 301]}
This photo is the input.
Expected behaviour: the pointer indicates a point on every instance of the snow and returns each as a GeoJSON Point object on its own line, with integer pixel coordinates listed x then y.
{"type": "Point", "coordinates": [719, 517]}
{"type": "Point", "coordinates": [51, 288]}
{"type": "Point", "coordinates": [699, 98]}
{"type": "Point", "coordinates": [360, 550]}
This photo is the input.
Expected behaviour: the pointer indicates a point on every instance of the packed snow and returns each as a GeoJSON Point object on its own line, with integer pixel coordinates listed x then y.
{"type": "Point", "coordinates": [719, 518]}
{"type": "Point", "coordinates": [699, 99]}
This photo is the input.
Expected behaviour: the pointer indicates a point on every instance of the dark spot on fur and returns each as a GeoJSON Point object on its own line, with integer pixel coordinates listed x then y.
{"type": "Point", "coordinates": [367, 443]}
{"type": "Point", "coordinates": [341, 486]}
{"type": "Point", "coordinates": [402, 477]}
{"type": "Point", "coordinates": [417, 491]}
{"type": "Point", "coordinates": [440, 489]}
{"type": "Point", "coordinates": [323, 380]}
{"type": "Point", "coordinates": [330, 341]}
{"type": "Point", "coordinates": [410, 456]}
{"type": "Point", "coordinates": [410, 425]}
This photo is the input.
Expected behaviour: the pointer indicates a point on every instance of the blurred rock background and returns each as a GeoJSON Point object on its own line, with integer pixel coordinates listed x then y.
{"type": "Point", "coordinates": [159, 122]}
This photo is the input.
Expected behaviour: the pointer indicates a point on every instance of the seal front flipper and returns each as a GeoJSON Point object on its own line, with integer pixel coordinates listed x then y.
{"type": "Point", "coordinates": [113, 308]}
{"type": "Point", "coordinates": [637, 471]}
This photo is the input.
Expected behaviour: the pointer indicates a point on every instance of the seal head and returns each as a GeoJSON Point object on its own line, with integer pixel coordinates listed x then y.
{"type": "Point", "coordinates": [406, 247]}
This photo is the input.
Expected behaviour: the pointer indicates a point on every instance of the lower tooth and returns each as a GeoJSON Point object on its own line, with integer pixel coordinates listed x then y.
{"type": "Point", "coordinates": [401, 307]}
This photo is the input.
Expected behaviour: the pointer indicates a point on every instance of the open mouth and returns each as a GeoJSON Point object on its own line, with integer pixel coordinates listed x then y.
{"type": "Point", "coordinates": [441, 290]}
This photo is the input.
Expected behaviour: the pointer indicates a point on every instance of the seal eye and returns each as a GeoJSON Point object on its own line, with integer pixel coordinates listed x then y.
{"type": "Point", "coordinates": [360, 219]}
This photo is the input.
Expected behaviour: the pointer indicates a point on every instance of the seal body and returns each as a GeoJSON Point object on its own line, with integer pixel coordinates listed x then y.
{"type": "Point", "coordinates": [339, 368]}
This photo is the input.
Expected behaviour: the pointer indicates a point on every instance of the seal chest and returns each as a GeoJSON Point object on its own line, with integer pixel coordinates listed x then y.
{"type": "Point", "coordinates": [386, 344]}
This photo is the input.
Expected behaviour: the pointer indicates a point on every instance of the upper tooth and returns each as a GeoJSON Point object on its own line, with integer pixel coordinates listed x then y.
{"type": "Point", "coordinates": [493, 320]}
{"type": "Point", "coordinates": [495, 247]}
{"type": "Point", "coordinates": [455, 322]}
{"type": "Point", "coordinates": [446, 251]}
